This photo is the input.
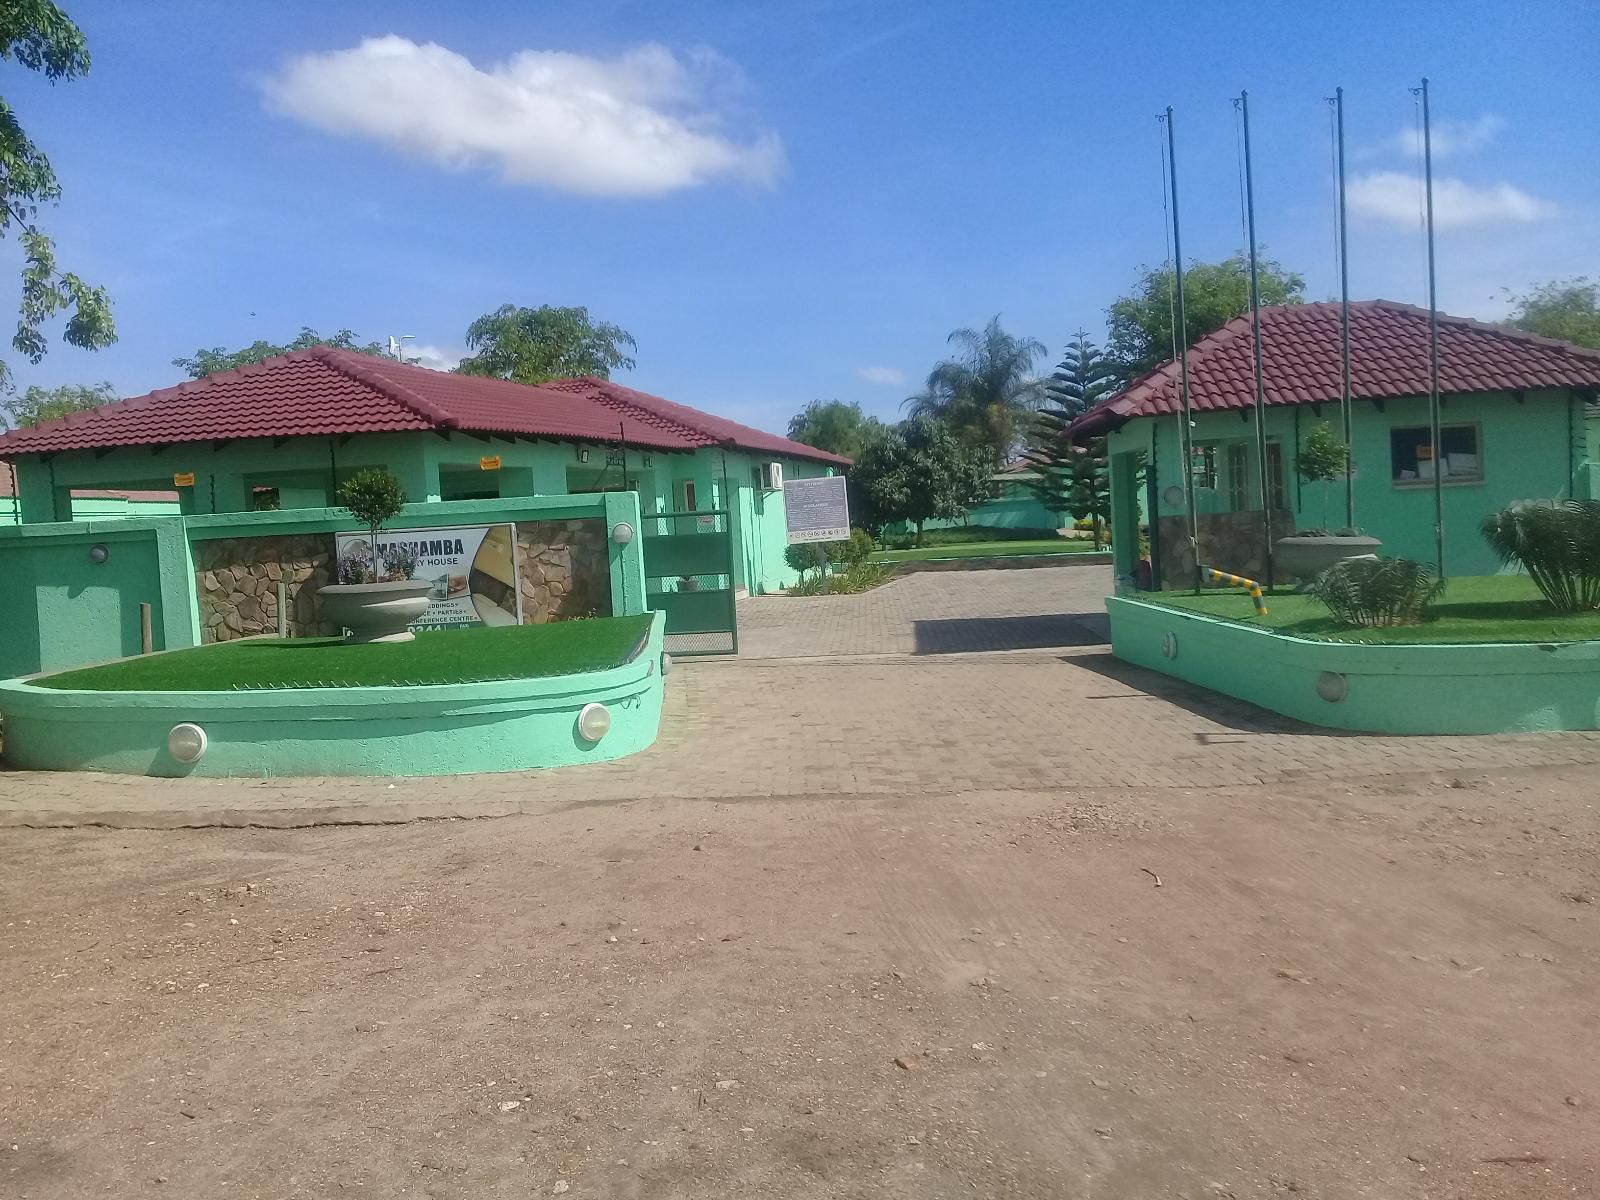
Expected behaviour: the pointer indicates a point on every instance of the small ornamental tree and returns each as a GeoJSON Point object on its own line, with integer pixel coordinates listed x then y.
{"type": "Point", "coordinates": [1323, 459]}
{"type": "Point", "coordinates": [372, 496]}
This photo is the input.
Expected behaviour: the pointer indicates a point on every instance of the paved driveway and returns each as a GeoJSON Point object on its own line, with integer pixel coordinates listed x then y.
{"type": "Point", "coordinates": [940, 612]}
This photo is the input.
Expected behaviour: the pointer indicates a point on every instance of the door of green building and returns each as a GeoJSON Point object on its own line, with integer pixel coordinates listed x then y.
{"type": "Point", "coordinates": [688, 569]}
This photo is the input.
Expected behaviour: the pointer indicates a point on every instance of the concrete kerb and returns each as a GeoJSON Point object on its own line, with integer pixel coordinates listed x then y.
{"type": "Point", "coordinates": [1014, 562]}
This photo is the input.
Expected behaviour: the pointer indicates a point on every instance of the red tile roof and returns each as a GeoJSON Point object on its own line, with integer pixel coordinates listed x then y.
{"type": "Point", "coordinates": [1301, 362]}
{"type": "Point", "coordinates": [323, 391]}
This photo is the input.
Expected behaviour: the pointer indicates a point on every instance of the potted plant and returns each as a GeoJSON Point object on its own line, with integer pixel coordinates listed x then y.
{"type": "Point", "coordinates": [375, 598]}
{"type": "Point", "coordinates": [1309, 552]}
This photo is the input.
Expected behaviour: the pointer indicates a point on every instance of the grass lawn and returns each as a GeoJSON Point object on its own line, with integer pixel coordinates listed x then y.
{"type": "Point", "coordinates": [1481, 608]}
{"type": "Point", "coordinates": [987, 550]}
{"type": "Point", "coordinates": [442, 656]}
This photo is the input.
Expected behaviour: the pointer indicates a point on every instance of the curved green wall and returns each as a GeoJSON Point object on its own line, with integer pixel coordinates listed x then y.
{"type": "Point", "coordinates": [506, 725]}
{"type": "Point", "coordinates": [1413, 689]}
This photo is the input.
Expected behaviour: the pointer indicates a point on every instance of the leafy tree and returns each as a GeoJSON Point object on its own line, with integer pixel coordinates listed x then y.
{"type": "Point", "coordinates": [1062, 477]}
{"type": "Point", "coordinates": [209, 362]}
{"type": "Point", "coordinates": [531, 345]}
{"type": "Point", "coordinates": [1140, 324]}
{"type": "Point", "coordinates": [372, 496]}
{"type": "Point", "coordinates": [834, 426]}
{"type": "Point", "coordinates": [40, 404]}
{"type": "Point", "coordinates": [39, 36]}
{"type": "Point", "coordinates": [988, 393]}
{"type": "Point", "coordinates": [1568, 309]}
{"type": "Point", "coordinates": [919, 471]}
{"type": "Point", "coordinates": [1323, 458]}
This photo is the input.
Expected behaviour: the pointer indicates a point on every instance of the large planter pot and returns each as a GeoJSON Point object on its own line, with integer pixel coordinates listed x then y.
{"type": "Point", "coordinates": [1305, 558]}
{"type": "Point", "coordinates": [376, 612]}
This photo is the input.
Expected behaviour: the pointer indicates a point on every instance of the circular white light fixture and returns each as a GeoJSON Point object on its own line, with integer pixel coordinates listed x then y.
{"type": "Point", "coordinates": [1172, 496]}
{"type": "Point", "coordinates": [1169, 646]}
{"type": "Point", "coordinates": [1332, 686]}
{"type": "Point", "coordinates": [594, 722]}
{"type": "Point", "coordinates": [622, 533]}
{"type": "Point", "coordinates": [99, 553]}
{"type": "Point", "coordinates": [187, 743]}
{"type": "Point", "coordinates": [666, 664]}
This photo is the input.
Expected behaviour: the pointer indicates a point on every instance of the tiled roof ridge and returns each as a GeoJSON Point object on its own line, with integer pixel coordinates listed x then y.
{"type": "Point", "coordinates": [609, 394]}
{"type": "Point", "coordinates": [366, 370]}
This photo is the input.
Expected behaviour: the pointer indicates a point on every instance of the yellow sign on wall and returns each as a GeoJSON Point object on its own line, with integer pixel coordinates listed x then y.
{"type": "Point", "coordinates": [489, 462]}
{"type": "Point", "coordinates": [183, 479]}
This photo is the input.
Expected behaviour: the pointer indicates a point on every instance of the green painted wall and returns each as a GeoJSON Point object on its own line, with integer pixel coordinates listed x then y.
{"type": "Point", "coordinates": [507, 725]}
{"type": "Point", "coordinates": [1387, 689]}
{"type": "Point", "coordinates": [59, 610]}
{"type": "Point", "coordinates": [1532, 450]}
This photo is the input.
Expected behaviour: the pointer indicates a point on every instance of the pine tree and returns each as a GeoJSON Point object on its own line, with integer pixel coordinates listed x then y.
{"type": "Point", "coordinates": [1068, 479]}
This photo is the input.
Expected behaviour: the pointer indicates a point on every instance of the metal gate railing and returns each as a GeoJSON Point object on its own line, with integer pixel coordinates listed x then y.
{"type": "Point", "coordinates": [688, 576]}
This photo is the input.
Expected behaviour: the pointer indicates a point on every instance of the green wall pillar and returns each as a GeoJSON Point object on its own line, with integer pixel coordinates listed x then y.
{"type": "Point", "coordinates": [627, 562]}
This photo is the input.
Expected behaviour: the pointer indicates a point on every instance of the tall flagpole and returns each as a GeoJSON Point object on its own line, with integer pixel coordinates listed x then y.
{"type": "Point", "coordinates": [1433, 338]}
{"type": "Point", "coordinates": [1182, 342]}
{"type": "Point", "coordinates": [1346, 399]}
{"type": "Point", "coordinates": [1255, 338]}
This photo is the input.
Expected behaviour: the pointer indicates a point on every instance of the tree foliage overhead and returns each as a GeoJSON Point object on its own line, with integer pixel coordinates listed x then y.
{"type": "Point", "coordinates": [1140, 324]}
{"type": "Point", "coordinates": [532, 345]}
{"type": "Point", "coordinates": [209, 362]}
{"type": "Point", "coordinates": [919, 471]}
{"type": "Point", "coordinates": [1568, 309]}
{"type": "Point", "coordinates": [988, 393]}
{"type": "Point", "coordinates": [40, 37]}
{"type": "Point", "coordinates": [834, 426]}
{"type": "Point", "coordinates": [40, 404]}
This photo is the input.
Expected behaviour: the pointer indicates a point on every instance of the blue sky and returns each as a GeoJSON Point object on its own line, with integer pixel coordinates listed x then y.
{"type": "Point", "coordinates": [782, 202]}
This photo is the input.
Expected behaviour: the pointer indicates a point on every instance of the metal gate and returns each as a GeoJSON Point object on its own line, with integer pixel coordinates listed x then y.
{"type": "Point", "coordinates": [688, 575]}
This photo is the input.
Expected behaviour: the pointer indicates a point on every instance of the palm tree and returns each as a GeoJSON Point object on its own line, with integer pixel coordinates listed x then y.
{"type": "Point", "coordinates": [988, 393]}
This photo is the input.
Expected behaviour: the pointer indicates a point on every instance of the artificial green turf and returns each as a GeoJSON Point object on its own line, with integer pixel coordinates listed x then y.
{"type": "Point", "coordinates": [441, 656]}
{"type": "Point", "coordinates": [1474, 608]}
{"type": "Point", "coordinates": [987, 550]}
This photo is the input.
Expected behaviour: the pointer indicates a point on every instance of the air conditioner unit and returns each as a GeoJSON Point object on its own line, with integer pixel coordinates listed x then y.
{"type": "Point", "coordinates": [772, 476]}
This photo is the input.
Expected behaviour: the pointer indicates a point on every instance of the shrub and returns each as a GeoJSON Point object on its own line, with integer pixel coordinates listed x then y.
{"type": "Point", "coordinates": [1378, 591]}
{"type": "Point", "coordinates": [857, 578]}
{"type": "Point", "coordinates": [1557, 543]}
{"type": "Point", "coordinates": [848, 553]}
{"type": "Point", "coordinates": [806, 556]}
{"type": "Point", "coordinates": [1323, 459]}
{"type": "Point", "coordinates": [373, 496]}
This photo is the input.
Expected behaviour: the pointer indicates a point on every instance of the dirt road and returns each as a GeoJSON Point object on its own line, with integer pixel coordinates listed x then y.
{"type": "Point", "coordinates": [1349, 989]}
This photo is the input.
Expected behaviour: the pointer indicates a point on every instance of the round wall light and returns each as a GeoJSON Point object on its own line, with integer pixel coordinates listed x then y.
{"type": "Point", "coordinates": [594, 722]}
{"type": "Point", "coordinates": [99, 553]}
{"type": "Point", "coordinates": [1169, 646]}
{"type": "Point", "coordinates": [622, 533]}
{"type": "Point", "coordinates": [1332, 686]}
{"type": "Point", "coordinates": [1172, 496]}
{"type": "Point", "coordinates": [187, 743]}
{"type": "Point", "coordinates": [666, 664]}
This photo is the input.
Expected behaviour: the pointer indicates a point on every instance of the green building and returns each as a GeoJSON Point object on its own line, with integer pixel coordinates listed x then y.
{"type": "Point", "coordinates": [284, 434]}
{"type": "Point", "coordinates": [92, 504]}
{"type": "Point", "coordinates": [1519, 420]}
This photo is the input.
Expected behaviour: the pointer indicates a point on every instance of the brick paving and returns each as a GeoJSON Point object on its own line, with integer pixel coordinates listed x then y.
{"type": "Point", "coordinates": [887, 722]}
{"type": "Point", "coordinates": [933, 613]}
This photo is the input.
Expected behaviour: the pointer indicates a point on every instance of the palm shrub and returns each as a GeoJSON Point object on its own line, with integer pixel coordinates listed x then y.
{"type": "Point", "coordinates": [373, 496]}
{"type": "Point", "coordinates": [1557, 543]}
{"type": "Point", "coordinates": [1378, 591]}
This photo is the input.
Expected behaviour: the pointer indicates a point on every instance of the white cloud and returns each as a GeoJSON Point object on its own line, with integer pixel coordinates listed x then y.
{"type": "Point", "coordinates": [1396, 197]}
{"type": "Point", "coordinates": [643, 123]}
{"type": "Point", "coordinates": [435, 358]}
{"type": "Point", "coordinates": [883, 376]}
{"type": "Point", "coordinates": [1448, 137]}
